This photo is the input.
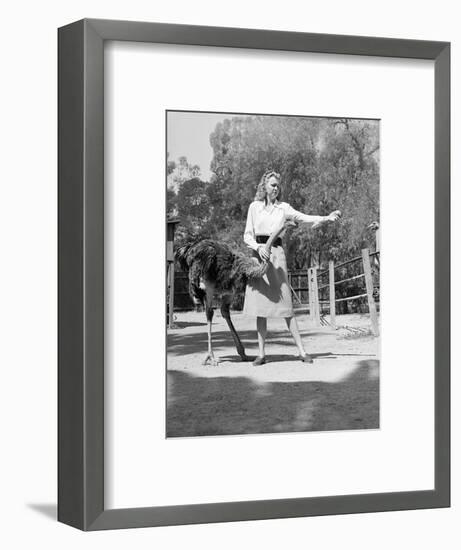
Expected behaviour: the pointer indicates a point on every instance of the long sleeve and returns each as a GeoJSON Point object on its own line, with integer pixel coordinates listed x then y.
{"type": "Point", "coordinates": [249, 235]}
{"type": "Point", "coordinates": [299, 217]}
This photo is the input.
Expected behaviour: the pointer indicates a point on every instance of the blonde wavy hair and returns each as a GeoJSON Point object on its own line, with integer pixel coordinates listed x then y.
{"type": "Point", "coordinates": [261, 189]}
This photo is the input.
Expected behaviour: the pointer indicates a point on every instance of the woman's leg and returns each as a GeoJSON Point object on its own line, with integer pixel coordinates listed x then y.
{"type": "Point", "coordinates": [292, 324]}
{"type": "Point", "coordinates": [261, 327]}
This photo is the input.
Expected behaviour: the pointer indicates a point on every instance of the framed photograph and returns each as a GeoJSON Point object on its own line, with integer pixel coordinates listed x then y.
{"type": "Point", "coordinates": [326, 162]}
{"type": "Point", "coordinates": [253, 274]}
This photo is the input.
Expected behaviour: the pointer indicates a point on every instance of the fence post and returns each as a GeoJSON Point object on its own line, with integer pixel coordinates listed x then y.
{"type": "Point", "coordinates": [310, 294]}
{"type": "Point", "coordinates": [314, 312]}
{"type": "Point", "coordinates": [315, 288]}
{"type": "Point", "coordinates": [171, 296]}
{"type": "Point", "coordinates": [369, 285]}
{"type": "Point", "coordinates": [331, 280]}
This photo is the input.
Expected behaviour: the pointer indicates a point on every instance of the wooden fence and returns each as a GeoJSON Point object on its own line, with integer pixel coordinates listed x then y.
{"type": "Point", "coordinates": [347, 287]}
{"type": "Point", "coordinates": [182, 299]}
{"type": "Point", "coordinates": [365, 285]}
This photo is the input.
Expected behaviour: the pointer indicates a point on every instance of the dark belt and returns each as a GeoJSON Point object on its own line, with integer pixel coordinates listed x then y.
{"type": "Point", "coordinates": [261, 239]}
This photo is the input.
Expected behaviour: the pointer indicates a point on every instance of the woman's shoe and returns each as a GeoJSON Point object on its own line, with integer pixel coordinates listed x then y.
{"type": "Point", "coordinates": [259, 361]}
{"type": "Point", "coordinates": [306, 358]}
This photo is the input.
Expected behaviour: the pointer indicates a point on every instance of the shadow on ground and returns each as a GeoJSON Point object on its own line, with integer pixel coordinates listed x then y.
{"type": "Point", "coordinates": [197, 342]}
{"type": "Point", "coordinates": [46, 509]}
{"type": "Point", "coordinates": [188, 324]}
{"type": "Point", "coordinates": [226, 405]}
{"type": "Point", "coordinates": [281, 358]}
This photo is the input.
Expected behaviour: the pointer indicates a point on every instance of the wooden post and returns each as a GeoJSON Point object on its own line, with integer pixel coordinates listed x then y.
{"type": "Point", "coordinates": [315, 288]}
{"type": "Point", "coordinates": [331, 277]}
{"type": "Point", "coordinates": [314, 312]}
{"type": "Point", "coordinates": [170, 230]}
{"type": "Point", "coordinates": [171, 294]}
{"type": "Point", "coordinates": [369, 285]}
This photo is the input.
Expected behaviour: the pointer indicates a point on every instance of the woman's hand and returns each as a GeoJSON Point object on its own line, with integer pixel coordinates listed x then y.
{"type": "Point", "coordinates": [264, 254]}
{"type": "Point", "coordinates": [334, 216]}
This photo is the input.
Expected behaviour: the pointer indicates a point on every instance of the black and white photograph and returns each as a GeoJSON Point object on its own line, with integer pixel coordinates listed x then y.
{"type": "Point", "coordinates": [273, 273]}
{"type": "Point", "coordinates": [204, 345]}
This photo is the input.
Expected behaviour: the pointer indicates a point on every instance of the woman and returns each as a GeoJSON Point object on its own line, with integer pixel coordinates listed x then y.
{"type": "Point", "coordinates": [270, 296]}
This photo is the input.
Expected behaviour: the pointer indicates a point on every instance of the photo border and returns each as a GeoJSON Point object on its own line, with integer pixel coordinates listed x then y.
{"type": "Point", "coordinates": [81, 274]}
{"type": "Point", "coordinates": [268, 115]}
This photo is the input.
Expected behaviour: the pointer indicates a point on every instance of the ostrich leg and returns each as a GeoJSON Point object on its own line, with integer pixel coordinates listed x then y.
{"type": "Point", "coordinates": [209, 358]}
{"type": "Point", "coordinates": [225, 312]}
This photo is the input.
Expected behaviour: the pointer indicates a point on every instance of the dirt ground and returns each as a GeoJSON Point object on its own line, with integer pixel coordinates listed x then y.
{"type": "Point", "coordinates": [339, 391]}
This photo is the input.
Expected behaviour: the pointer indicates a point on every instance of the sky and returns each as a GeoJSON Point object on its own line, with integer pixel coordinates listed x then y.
{"type": "Point", "coordinates": [188, 134]}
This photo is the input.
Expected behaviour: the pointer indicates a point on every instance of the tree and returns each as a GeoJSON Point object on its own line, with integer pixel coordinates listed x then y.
{"type": "Point", "coordinates": [325, 164]}
{"type": "Point", "coordinates": [177, 173]}
{"type": "Point", "coordinates": [180, 171]}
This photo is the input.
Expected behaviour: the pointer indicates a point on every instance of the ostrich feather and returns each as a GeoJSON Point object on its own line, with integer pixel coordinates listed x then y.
{"type": "Point", "coordinates": [215, 264]}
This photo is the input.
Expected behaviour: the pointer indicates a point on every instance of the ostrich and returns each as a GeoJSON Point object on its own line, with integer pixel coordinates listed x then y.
{"type": "Point", "coordinates": [214, 269]}
{"type": "Point", "coordinates": [374, 226]}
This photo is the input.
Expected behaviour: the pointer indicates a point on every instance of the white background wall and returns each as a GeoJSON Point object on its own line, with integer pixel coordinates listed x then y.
{"type": "Point", "coordinates": [28, 274]}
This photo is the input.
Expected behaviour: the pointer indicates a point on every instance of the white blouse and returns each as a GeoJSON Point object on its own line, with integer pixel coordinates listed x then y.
{"type": "Point", "coordinates": [263, 220]}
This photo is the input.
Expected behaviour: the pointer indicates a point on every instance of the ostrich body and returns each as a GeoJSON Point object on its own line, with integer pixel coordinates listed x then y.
{"type": "Point", "coordinates": [214, 269]}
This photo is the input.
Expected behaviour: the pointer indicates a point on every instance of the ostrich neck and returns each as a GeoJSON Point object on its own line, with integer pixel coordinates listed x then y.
{"type": "Point", "coordinates": [274, 235]}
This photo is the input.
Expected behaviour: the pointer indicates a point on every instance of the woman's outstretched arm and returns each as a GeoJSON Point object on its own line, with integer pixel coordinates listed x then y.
{"type": "Point", "coordinates": [313, 221]}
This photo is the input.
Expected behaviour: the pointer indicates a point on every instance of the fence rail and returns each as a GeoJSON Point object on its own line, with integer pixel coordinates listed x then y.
{"type": "Point", "coordinates": [307, 290]}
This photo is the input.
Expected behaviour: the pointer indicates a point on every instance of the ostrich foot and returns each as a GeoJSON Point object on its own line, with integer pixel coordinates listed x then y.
{"type": "Point", "coordinates": [245, 359]}
{"type": "Point", "coordinates": [211, 360]}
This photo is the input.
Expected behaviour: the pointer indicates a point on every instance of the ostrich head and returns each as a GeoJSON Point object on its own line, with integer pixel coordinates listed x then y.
{"type": "Point", "coordinates": [374, 226]}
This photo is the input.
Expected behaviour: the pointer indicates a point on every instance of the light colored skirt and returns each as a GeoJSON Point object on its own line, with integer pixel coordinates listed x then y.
{"type": "Point", "coordinates": [270, 296]}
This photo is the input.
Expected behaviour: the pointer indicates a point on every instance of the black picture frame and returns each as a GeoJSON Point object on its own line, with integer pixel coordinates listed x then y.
{"type": "Point", "coordinates": [81, 274]}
